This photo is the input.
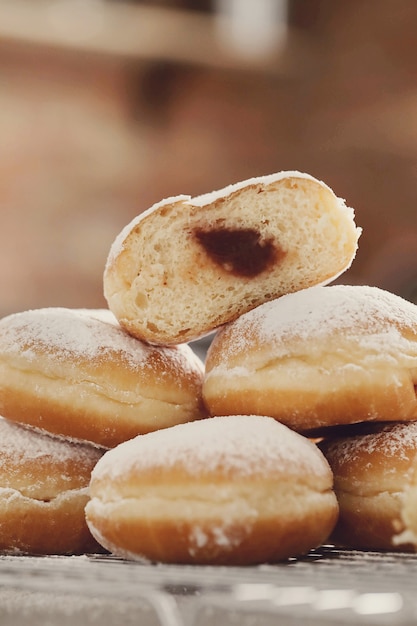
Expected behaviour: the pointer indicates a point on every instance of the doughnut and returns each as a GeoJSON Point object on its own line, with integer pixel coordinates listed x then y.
{"type": "Point", "coordinates": [76, 373]}
{"type": "Point", "coordinates": [43, 492]}
{"type": "Point", "coordinates": [373, 469]}
{"type": "Point", "coordinates": [186, 266]}
{"type": "Point", "coordinates": [322, 357]}
{"type": "Point", "coordinates": [407, 528]}
{"type": "Point", "coordinates": [233, 490]}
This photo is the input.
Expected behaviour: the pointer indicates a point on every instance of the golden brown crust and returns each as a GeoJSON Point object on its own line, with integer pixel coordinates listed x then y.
{"type": "Point", "coordinates": [372, 473]}
{"type": "Point", "coordinates": [30, 526]}
{"type": "Point", "coordinates": [187, 266]}
{"type": "Point", "coordinates": [227, 490]}
{"type": "Point", "coordinates": [317, 401]}
{"type": "Point", "coordinates": [204, 537]}
{"type": "Point", "coordinates": [322, 357]}
{"type": "Point", "coordinates": [406, 530]}
{"type": "Point", "coordinates": [369, 522]}
{"type": "Point", "coordinates": [72, 374]}
{"type": "Point", "coordinates": [43, 492]}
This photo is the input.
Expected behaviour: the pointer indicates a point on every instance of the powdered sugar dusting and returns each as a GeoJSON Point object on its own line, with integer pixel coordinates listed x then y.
{"type": "Point", "coordinates": [207, 198]}
{"type": "Point", "coordinates": [269, 179]}
{"type": "Point", "coordinates": [19, 442]}
{"type": "Point", "coordinates": [242, 444]}
{"type": "Point", "coordinates": [397, 440]}
{"type": "Point", "coordinates": [80, 333]}
{"type": "Point", "coordinates": [321, 311]}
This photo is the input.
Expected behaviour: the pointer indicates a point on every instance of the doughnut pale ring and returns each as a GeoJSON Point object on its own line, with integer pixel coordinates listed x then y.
{"type": "Point", "coordinates": [188, 265]}
{"type": "Point", "coordinates": [226, 490]}
{"type": "Point", "coordinates": [43, 491]}
{"type": "Point", "coordinates": [320, 357]}
{"type": "Point", "coordinates": [407, 529]}
{"type": "Point", "coordinates": [76, 373]}
{"type": "Point", "coordinates": [373, 471]}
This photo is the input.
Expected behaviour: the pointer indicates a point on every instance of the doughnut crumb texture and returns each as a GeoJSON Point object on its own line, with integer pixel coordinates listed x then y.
{"type": "Point", "coordinates": [76, 373]}
{"type": "Point", "coordinates": [189, 265]}
{"type": "Point", "coordinates": [324, 356]}
{"type": "Point", "coordinates": [226, 490]}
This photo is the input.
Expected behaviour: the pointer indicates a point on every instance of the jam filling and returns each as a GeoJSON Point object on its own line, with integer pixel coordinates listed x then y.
{"type": "Point", "coordinates": [239, 251]}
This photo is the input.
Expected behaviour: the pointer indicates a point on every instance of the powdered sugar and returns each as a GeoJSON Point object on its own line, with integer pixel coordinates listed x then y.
{"type": "Point", "coordinates": [269, 179]}
{"type": "Point", "coordinates": [221, 536]}
{"type": "Point", "coordinates": [79, 333]}
{"type": "Point", "coordinates": [245, 445]}
{"type": "Point", "coordinates": [397, 440]}
{"type": "Point", "coordinates": [321, 311]}
{"type": "Point", "coordinates": [19, 442]}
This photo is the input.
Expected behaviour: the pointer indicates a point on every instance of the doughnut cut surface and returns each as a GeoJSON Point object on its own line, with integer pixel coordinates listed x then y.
{"type": "Point", "coordinates": [188, 265]}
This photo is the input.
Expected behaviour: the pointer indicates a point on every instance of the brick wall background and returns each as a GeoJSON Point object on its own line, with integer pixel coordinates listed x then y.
{"type": "Point", "coordinates": [88, 141]}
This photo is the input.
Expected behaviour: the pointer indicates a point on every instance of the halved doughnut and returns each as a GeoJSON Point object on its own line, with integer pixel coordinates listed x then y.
{"type": "Point", "coordinates": [188, 265]}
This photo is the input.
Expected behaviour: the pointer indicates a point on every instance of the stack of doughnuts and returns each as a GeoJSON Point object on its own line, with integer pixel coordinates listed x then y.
{"type": "Point", "coordinates": [96, 380]}
{"type": "Point", "coordinates": [238, 487]}
{"type": "Point", "coordinates": [242, 459]}
{"type": "Point", "coordinates": [81, 385]}
{"type": "Point", "coordinates": [328, 362]}
{"type": "Point", "coordinates": [254, 264]}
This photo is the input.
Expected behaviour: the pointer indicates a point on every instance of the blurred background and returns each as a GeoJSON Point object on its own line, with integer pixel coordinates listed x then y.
{"type": "Point", "coordinates": [108, 106]}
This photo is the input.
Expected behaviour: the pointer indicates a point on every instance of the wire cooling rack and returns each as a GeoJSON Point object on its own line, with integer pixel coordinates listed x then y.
{"type": "Point", "coordinates": [328, 586]}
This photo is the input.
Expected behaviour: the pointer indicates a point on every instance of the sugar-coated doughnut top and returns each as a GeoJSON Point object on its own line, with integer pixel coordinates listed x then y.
{"type": "Point", "coordinates": [20, 444]}
{"type": "Point", "coordinates": [79, 333]}
{"type": "Point", "coordinates": [212, 196]}
{"type": "Point", "coordinates": [243, 445]}
{"type": "Point", "coordinates": [322, 311]}
{"type": "Point", "coordinates": [397, 440]}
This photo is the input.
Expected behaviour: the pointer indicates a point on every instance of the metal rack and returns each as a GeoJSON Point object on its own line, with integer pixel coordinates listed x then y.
{"type": "Point", "coordinates": [328, 586]}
